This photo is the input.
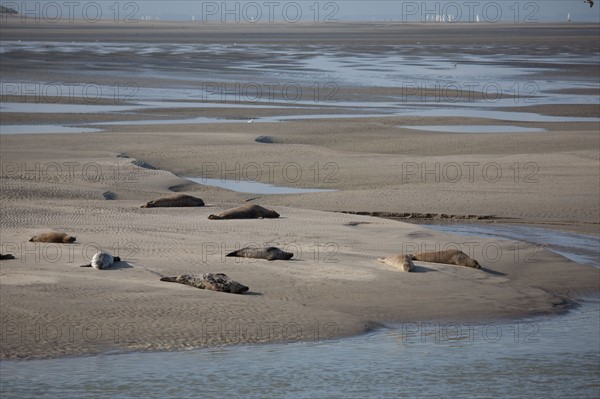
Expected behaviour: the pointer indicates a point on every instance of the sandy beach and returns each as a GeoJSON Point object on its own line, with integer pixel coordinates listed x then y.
{"type": "Point", "coordinates": [92, 185]}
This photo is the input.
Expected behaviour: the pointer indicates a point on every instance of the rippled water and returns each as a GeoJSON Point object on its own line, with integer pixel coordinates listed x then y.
{"type": "Point", "coordinates": [544, 357]}
{"type": "Point", "coordinates": [432, 79]}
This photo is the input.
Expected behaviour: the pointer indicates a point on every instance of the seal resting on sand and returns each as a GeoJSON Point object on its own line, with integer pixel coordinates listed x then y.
{"type": "Point", "coordinates": [449, 256]}
{"type": "Point", "coordinates": [6, 256]}
{"type": "Point", "coordinates": [268, 253]}
{"type": "Point", "coordinates": [400, 262]}
{"type": "Point", "coordinates": [209, 281]}
{"type": "Point", "coordinates": [249, 211]}
{"type": "Point", "coordinates": [177, 200]}
{"type": "Point", "coordinates": [53, 236]}
{"type": "Point", "coordinates": [102, 260]}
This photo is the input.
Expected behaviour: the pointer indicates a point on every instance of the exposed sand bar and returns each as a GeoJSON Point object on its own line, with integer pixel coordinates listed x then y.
{"type": "Point", "coordinates": [284, 33]}
{"type": "Point", "coordinates": [334, 287]}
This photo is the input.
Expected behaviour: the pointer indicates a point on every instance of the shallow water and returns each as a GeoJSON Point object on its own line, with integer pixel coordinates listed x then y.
{"type": "Point", "coordinates": [37, 129]}
{"type": "Point", "coordinates": [476, 129]}
{"type": "Point", "coordinates": [254, 187]}
{"type": "Point", "coordinates": [541, 357]}
{"type": "Point", "coordinates": [271, 76]}
{"type": "Point", "coordinates": [578, 247]}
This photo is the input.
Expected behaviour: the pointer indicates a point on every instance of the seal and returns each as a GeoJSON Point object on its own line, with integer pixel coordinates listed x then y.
{"type": "Point", "coordinates": [268, 253]}
{"type": "Point", "coordinates": [102, 260]}
{"type": "Point", "coordinates": [177, 200]}
{"type": "Point", "coordinates": [249, 211]}
{"type": "Point", "coordinates": [6, 256]}
{"type": "Point", "coordinates": [53, 236]}
{"type": "Point", "coordinates": [400, 262]}
{"type": "Point", "coordinates": [209, 281]}
{"type": "Point", "coordinates": [449, 256]}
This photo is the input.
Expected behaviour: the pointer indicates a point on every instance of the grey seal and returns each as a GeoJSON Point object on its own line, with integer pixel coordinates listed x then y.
{"type": "Point", "coordinates": [177, 200]}
{"type": "Point", "coordinates": [449, 256]}
{"type": "Point", "coordinates": [268, 253]}
{"type": "Point", "coordinates": [400, 262]}
{"type": "Point", "coordinates": [102, 260]}
{"type": "Point", "coordinates": [209, 281]}
{"type": "Point", "coordinates": [249, 211]}
{"type": "Point", "coordinates": [53, 236]}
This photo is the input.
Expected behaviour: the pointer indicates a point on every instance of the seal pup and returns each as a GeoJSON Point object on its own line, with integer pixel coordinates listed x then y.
{"type": "Point", "coordinates": [102, 260]}
{"type": "Point", "coordinates": [209, 281]}
{"type": "Point", "coordinates": [268, 253]}
{"type": "Point", "coordinates": [6, 256]}
{"type": "Point", "coordinates": [449, 256]}
{"type": "Point", "coordinates": [53, 236]}
{"type": "Point", "coordinates": [177, 200]}
{"type": "Point", "coordinates": [249, 211]}
{"type": "Point", "coordinates": [400, 262]}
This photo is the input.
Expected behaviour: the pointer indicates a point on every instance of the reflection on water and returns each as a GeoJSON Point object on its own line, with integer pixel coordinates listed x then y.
{"type": "Point", "coordinates": [542, 357]}
{"type": "Point", "coordinates": [254, 187]}
{"type": "Point", "coordinates": [36, 129]}
{"type": "Point", "coordinates": [427, 81]}
{"type": "Point", "coordinates": [475, 129]}
{"type": "Point", "coordinates": [580, 248]}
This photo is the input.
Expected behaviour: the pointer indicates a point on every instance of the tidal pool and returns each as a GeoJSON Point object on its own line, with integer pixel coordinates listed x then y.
{"type": "Point", "coordinates": [254, 187]}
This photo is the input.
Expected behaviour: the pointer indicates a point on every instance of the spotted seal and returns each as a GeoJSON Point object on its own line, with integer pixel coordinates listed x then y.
{"type": "Point", "coordinates": [177, 200]}
{"type": "Point", "coordinates": [268, 253]}
{"type": "Point", "coordinates": [400, 262]}
{"type": "Point", "coordinates": [102, 260]}
{"type": "Point", "coordinates": [209, 281]}
{"type": "Point", "coordinates": [449, 256]}
{"type": "Point", "coordinates": [54, 237]}
{"type": "Point", "coordinates": [249, 211]}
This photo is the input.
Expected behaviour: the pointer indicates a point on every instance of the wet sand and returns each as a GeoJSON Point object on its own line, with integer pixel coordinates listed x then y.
{"type": "Point", "coordinates": [83, 184]}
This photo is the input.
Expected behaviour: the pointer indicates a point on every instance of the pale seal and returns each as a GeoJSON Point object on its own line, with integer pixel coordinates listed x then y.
{"type": "Point", "coordinates": [268, 253]}
{"type": "Point", "coordinates": [209, 281]}
{"type": "Point", "coordinates": [449, 256]}
{"type": "Point", "coordinates": [53, 236]}
{"type": "Point", "coordinates": [177, 200]}
{"type": "Point", "coordinates": [102, 260]}
{"type": "Point", "coordinates": [400, 262]}
{"type": "Point", "coordinates": [249, 211]}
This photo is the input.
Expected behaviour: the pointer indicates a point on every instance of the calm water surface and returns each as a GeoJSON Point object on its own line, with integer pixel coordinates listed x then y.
{"type": "Point", "coordinates": [545, 357]}
{"type": "Point", "coordinates": [254, 187]}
